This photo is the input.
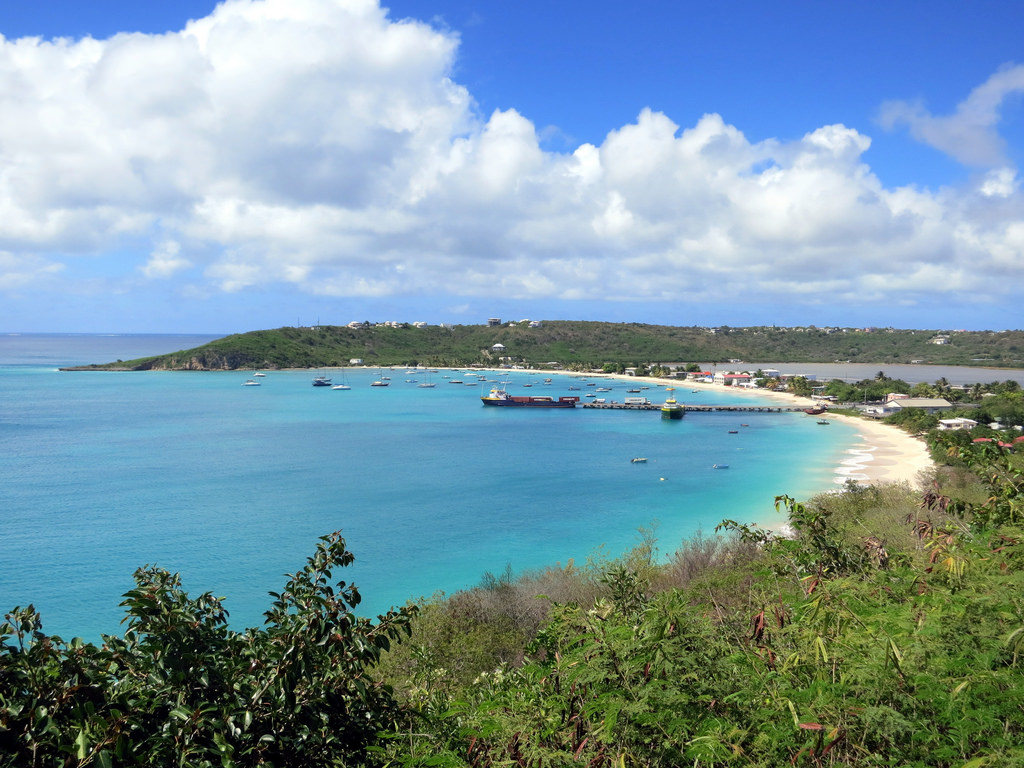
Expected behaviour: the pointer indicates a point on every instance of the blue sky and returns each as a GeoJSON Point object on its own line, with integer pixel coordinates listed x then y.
{"type": "Point", "coordinates": [194, 167]}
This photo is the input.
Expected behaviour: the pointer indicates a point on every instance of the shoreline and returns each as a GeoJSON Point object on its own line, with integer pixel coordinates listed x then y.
{"type": "Point", "coordinates": [886, 454]}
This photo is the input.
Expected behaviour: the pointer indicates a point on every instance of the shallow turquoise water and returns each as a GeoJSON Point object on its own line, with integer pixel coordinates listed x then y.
{"type": "Point", "coordinates": [232, 485]}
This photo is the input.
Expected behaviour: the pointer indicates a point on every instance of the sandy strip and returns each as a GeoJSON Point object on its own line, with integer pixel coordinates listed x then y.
{"type": "Point", "coordinates": [887, 454]}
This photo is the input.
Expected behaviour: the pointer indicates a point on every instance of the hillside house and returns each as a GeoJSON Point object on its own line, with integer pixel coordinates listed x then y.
{"type": "Point", "coordinates": [953, 424]}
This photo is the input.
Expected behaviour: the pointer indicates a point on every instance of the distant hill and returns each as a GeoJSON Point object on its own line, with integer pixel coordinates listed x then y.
{"type": "Point", "coordinates": [577, 344]}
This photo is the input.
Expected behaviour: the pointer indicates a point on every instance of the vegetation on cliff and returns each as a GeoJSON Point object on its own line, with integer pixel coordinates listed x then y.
{"type": "Point", "coordinates": [584, 345]}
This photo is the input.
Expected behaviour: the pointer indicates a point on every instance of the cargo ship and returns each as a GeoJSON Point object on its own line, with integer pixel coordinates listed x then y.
{"type": "Point", "coordinates": [501, 397]}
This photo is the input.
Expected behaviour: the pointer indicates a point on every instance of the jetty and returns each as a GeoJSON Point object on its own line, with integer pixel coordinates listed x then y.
{"type": "Point", "coordinates": [697, 408]}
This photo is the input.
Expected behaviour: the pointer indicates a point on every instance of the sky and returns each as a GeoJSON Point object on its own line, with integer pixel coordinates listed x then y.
{"type": "Point", "coordinates": [195, 167]}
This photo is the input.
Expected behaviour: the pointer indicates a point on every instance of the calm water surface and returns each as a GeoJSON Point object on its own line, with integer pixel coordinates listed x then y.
{"type": "Point", "coordinates": [104, 472]}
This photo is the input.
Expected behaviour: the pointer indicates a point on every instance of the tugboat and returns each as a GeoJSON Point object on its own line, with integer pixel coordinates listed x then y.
{"type": "Point", "coordinates": [672, 409]}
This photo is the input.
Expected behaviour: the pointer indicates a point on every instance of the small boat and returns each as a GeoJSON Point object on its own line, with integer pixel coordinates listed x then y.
{"type": "Point", "coordinates": [633, 390]}
{"type": "Point", "coordinates": [720, 466]}
{"type": "Point", "coordinates": [603, 389]}
{"type": "Point", "coordinates": [815, 410]}
{"type": "Point", "coordinates": [454, 381]}
{"type": "Point", "coordinates": [639, 460]}
{"type": "Point", "coordinates": [259, 374]}
{"type": "Point", "coordinates": [823, 421]}
{"type": "Point", "coordinates": [251, 383]}
{"type": "Point", "coordinates": [734, 431]}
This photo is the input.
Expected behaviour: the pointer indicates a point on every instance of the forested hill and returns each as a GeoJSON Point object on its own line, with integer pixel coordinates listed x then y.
{"type": "Point", "coordinates": [577, 344]}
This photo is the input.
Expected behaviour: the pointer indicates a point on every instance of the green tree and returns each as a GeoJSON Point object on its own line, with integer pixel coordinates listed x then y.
{"type": "Point", "coordinates": [181, 688]}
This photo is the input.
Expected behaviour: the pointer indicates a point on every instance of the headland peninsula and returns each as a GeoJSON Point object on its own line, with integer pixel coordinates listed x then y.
{"type": "Point", "coordinates": [581, 345]}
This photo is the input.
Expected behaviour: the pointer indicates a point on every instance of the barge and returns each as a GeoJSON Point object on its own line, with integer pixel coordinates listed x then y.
{"type": "Point", "coordinates": [500, 397]}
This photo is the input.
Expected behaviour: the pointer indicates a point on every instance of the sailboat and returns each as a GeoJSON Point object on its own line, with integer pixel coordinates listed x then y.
{"type": "Point", "coordinates": [382, 380]}
{"type": "Point", "coordinates": [428, 384]}
{"type": "Point", "coordinates": [343, 384]}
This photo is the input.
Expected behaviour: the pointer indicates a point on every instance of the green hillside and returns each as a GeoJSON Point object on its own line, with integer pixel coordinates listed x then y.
{"type": "Point", "coordinates": [578, 344]}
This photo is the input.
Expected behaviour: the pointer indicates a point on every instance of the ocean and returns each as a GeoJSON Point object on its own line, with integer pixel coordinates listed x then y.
{"type": "Point", "coordinates": [231, 486]}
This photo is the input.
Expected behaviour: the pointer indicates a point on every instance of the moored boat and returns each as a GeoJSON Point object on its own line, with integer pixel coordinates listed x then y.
{"type": "Point", "coordinates": [502, 398]}
{"type": "Point", "coordinates": [672, 409]}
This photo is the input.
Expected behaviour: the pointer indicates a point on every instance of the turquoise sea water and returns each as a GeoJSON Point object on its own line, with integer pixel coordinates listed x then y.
{"type": "Point", "coordinates": [232, 485]}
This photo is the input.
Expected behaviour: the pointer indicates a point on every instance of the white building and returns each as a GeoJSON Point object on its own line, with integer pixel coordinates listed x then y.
{"type": "Point", "coordinates": [926, 404]}
{"type": "Point", "coordinates": [949, 424]}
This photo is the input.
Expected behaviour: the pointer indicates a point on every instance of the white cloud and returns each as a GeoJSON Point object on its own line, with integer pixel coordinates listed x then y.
{"type": "Point", "coordinates": [165, 260]}
{"type": "Point", "coordinates": [969, 135]}
{"type": "Point", "coordinates": [1001, 182]}
{"type": "Point", "coordinates": [319, 145]}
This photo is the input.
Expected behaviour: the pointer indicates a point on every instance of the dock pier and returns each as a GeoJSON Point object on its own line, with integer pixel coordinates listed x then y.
{"type": "Point", "coordinates": [697, 408]}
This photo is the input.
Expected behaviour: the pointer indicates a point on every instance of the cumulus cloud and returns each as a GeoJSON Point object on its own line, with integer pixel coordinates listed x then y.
{"type": "Point", "coordinates": [970, 134]}
{"type": "Point", "coordinates": [323, 146]}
